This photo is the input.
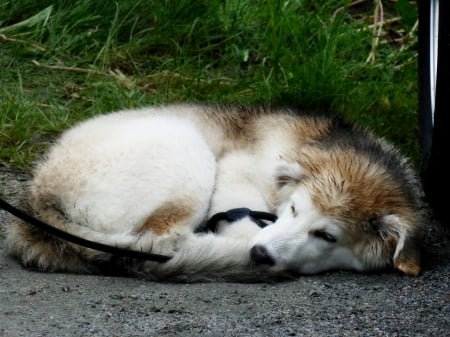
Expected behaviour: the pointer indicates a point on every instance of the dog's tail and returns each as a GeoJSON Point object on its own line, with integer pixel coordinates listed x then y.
{"type": "Point", "coordinates": [35, 248]}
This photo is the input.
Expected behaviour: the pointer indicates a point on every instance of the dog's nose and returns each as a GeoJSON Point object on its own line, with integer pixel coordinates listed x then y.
{"type": "Point", "coordinates": [261, 255]}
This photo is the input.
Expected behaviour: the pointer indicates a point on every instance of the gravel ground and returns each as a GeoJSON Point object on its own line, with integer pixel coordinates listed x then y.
{"type": "Point", "coordinates": [332, 304]}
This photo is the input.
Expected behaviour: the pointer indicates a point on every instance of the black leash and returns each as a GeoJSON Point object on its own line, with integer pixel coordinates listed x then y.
{"type": "Point", "coordinates": [80, 241]}
{"type": "Point", "coordinates": [231, 216]}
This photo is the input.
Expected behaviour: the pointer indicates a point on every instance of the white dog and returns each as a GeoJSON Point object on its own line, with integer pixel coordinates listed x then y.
{"type": "Point", "coordinates": [147, 179]}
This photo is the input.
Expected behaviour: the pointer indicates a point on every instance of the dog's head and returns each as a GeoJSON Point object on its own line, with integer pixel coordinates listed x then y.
{"type": "Point", "coordinates": [340, 211]}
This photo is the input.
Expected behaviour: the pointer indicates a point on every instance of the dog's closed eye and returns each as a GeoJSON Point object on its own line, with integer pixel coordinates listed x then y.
{"type": "Point", "coordinates": [324, 236]}
{"type": "Point", "coordinates": [293, 211]}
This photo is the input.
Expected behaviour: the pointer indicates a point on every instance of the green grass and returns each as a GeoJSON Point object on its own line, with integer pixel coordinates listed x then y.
{"type": "Point", "coordinates": [64, 61]}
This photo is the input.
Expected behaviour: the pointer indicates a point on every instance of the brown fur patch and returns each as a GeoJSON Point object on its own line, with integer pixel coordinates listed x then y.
{"type": "Point", "coordinates": [244, 127]}
{"type": "Point", "coordinates": [163, 219]}
{"type": "Point", "coordinates": [351, 187]}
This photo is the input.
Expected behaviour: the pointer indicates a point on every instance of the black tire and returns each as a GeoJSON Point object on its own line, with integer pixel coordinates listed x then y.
{"type": "Point", "coordinates": [434, 107]}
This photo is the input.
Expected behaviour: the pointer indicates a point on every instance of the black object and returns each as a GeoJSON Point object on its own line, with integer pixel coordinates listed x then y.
{"type": "Point", "coordinates": [236, 214]}
{"type": "Point", "coordinates": [434, 103]}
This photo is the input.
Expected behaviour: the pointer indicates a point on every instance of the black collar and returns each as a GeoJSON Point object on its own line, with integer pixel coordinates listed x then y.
{"type": "Point", "coordinates": [236, 214]}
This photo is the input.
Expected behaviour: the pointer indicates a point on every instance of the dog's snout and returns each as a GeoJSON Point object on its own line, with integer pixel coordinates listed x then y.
{"type": "Point", "coordinates": [261, 255]}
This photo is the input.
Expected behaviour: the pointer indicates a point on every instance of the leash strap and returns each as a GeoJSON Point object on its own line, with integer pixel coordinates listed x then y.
{"type": "Point", "coordinates": [236, 214]}
{"type": "Point", "coordinates": [80, 241]}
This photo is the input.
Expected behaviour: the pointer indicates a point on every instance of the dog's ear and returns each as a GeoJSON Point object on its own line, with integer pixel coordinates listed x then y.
{"type": "Point", "coordinates": [407, 257]}
{"type": "Point", "coordinates": [288, 174]}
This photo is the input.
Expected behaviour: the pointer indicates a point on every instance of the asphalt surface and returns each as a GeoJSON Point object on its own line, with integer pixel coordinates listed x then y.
{"type": "Point", "coordinates": [333, 304]}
